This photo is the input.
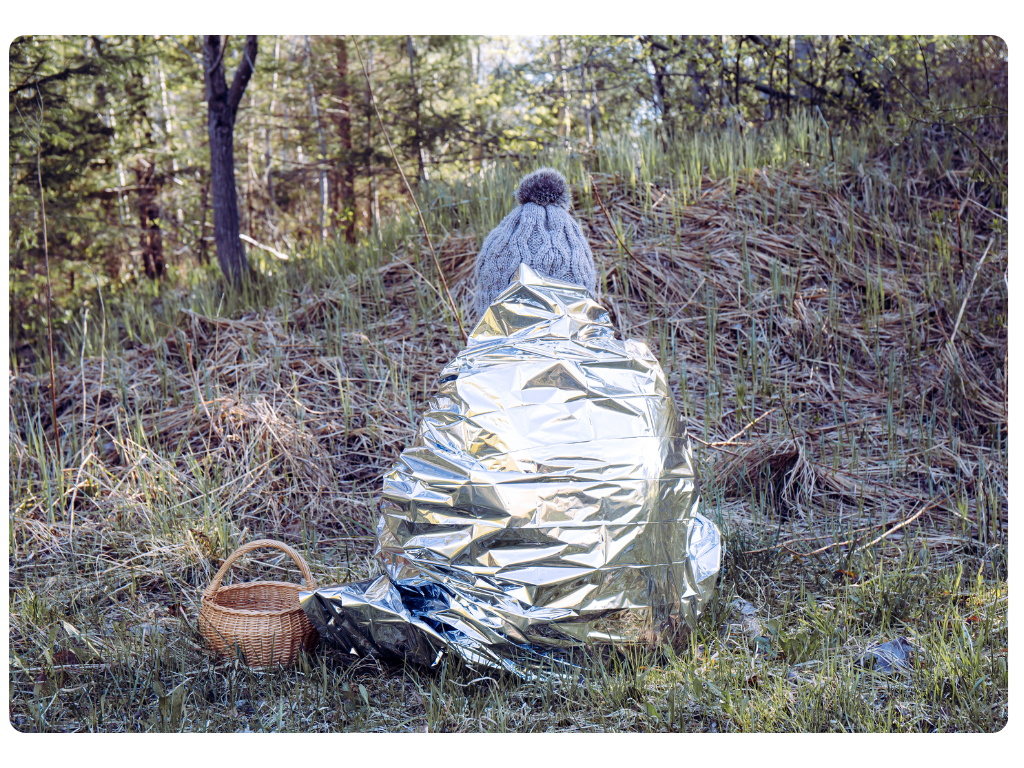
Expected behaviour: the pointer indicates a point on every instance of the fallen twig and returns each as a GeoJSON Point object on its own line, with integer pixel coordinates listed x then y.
{"type": "Point", "coordinates": [895, 528]}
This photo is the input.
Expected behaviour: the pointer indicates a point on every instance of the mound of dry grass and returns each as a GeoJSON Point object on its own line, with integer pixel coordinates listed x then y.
{"type": "Point", "coordinates": [826, 352]}
{"type": "Point", "coordinates": [838, 358]}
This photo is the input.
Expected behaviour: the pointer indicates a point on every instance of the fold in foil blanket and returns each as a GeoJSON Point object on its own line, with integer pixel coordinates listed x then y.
{"type": "Point", "coordinates": [547, 502]}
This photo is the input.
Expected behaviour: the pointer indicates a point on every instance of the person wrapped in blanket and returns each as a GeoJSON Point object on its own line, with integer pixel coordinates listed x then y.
{"type": "Point", "coordinates": [548, 499]}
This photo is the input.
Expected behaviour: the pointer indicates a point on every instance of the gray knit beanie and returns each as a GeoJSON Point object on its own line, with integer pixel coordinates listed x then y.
{"type": "Point", "coordinates": [540, 233]}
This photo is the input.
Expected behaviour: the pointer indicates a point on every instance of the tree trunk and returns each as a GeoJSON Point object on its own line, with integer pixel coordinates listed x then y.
{"type": "Point", "coordinates": [660, 103]}
{"type": "Point", "coordinates": [739, 55]}
{"type": "Point", "coordinates": [789, 71]}
{"type": "Point", "coordinates": [321, 172]}
{"type": "Point", "coordinates": [150, 238]}
{"type": "Point", "coordinates": [347, 171]}
{"type": "Point", "coordinates": [268, 174]}
{"type": "Point", "coordinates": [476, 153]}
{"type": "Point", "coordinates": [564, 118]}
{"type": "Point", "coordinates": [418, 138]}
{"type": "Point", "coordinates": [250, 174]}
{"type": "Point", "coordinates": [223, 106]}
{"type": "Point", "coordinates": [698, 76]}
{"type": "Point", "coordinates": [201, 246]}
{"type": "Point", "coordinates": [372, 210]}
{"type": "Point", "coordinates": [589, 103]}
{"type": "Point", "coordinates": [803, 63]}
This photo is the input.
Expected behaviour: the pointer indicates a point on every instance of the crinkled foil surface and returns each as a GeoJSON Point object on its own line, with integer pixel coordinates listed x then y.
{"type": "Point", "coordinates": [546, 502]}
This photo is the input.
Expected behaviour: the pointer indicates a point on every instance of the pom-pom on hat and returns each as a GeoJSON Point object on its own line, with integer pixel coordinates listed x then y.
{"type": "Point", "coordinates": [544, 187]}
{"type": "Point", "coordinates": [540, 233]}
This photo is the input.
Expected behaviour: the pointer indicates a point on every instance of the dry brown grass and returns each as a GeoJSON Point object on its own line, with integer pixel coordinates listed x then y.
{"type": "Point", "coordinates": [807, 329]}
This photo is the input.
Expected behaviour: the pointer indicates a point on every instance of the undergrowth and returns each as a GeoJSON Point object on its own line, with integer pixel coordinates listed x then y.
{"type": "Point", "coordinates": [834, 330]}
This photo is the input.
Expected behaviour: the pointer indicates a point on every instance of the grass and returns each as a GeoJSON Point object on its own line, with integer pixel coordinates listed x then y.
{"type": "Point", "coordinates": [837, 344]}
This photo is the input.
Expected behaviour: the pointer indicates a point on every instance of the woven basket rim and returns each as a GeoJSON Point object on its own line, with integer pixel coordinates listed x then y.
{"type": "Point", "coordinates": [211, 601]}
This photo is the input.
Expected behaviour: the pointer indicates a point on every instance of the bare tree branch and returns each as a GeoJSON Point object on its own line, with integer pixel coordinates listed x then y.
{"type": "Point", "coordinates": [243, 73]}
{"type": "Point", "coordinates": [89, 68]}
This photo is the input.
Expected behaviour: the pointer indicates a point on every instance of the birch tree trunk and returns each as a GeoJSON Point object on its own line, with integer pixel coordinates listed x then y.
{"type": "Point", "coordinates": [222, 109]}
{"type": "Point", "coordinates": [588, 103]}
{"type": "Point", "coordinates": [321, 170]}
{"type": "Point", "coordinates": [564, 119]}
{"type": "Point", "coordinates": [268, 174]}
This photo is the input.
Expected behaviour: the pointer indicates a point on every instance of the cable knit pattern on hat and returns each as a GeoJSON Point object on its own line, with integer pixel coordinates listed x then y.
{"type": "Point", "coordinates": [541, 233]}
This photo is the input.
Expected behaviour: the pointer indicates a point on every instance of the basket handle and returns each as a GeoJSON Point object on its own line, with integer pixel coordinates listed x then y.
{"type": "Point", "coordinates": [209, 592]}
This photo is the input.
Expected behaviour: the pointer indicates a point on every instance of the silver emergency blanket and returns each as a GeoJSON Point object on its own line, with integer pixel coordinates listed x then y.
{"type": "Point", "coordinates": [546, 503]}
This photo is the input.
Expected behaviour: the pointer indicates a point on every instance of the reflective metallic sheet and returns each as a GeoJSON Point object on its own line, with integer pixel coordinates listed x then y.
{"type": "Point", "coordinates": [547, 501]}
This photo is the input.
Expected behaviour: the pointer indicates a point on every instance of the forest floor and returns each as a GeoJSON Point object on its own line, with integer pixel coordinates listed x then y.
{"type": "Point", "coordinates": [838, 357]}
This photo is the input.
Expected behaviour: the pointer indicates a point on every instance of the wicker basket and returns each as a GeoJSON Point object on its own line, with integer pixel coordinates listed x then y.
{"type": "Point", "coordinates": [262, 619]}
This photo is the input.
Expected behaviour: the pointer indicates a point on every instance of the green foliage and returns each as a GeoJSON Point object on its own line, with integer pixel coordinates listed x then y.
{"type": "Point", "coordinates": [116, 119]}
{"type": "Point", "coordinates": [79, 116]}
